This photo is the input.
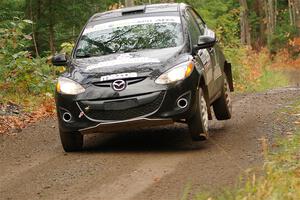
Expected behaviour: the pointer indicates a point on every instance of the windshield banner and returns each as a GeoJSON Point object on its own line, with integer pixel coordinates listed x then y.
{"type": "Point", "coordinates": [132, 22]}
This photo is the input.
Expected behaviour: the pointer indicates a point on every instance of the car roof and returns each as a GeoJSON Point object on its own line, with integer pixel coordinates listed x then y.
{"type": "Point", "coordinates": [143, 9]}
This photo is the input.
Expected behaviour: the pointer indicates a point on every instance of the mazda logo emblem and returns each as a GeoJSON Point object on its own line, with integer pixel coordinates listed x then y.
{"type": "Point", "coordinates": [119, 85]}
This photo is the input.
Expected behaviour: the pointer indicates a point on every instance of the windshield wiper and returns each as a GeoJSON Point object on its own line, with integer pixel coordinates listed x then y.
{"type": "Point", "coordinates": [84, 56]}
{"type": "Point", "coordinates": [130, 50]}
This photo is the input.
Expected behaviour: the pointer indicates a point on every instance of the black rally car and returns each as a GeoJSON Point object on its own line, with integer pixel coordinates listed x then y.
{"type": "Point", "coordinates": [142, 66]}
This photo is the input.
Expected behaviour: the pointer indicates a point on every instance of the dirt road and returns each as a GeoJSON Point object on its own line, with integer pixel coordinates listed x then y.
{"type": "Point", "coordinates": [160, 163]}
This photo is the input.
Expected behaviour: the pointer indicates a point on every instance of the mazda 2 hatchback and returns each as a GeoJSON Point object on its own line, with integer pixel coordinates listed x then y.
{"type": "Point", "coordinates": [142, 66]}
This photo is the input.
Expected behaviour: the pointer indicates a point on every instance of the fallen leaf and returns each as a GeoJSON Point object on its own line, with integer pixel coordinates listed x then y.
{"type": "Point", "coordinates": [297, 122]}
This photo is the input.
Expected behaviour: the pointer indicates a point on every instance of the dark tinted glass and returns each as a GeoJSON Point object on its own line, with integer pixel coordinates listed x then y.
{"type": "Point", "coordinates": [193, 28]}
{"type": "Point", "coordinates": [199, 21]}
{"type": "Point", "coordinates": [129, 38]}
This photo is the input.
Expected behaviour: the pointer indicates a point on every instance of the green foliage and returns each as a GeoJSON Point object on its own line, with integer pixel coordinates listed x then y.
{"type": "Point", "coordinates": [13, 39]}
{"type": "Point", "coordinates": [222, 16]}
{"type": "Point", "coordinates": [67, 48]}
{"type": "Point", "coordinates": [28, 75]}
{"type": "Point", "coordinates": [66, 18]}
{"type": "Point", "coordinates": [283, 33]}
{"type": "Point", "coordinates": [10, 9]}
{"type": "Point", "coordinates": [19, 71]}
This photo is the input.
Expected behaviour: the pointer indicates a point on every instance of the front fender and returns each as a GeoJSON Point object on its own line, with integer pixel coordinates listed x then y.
{"type": "Point", "coordinates": [202, 75]}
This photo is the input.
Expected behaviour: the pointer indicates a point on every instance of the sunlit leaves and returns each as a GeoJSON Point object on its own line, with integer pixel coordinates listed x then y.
{"type": "Point", "coordinates": [19, 71]}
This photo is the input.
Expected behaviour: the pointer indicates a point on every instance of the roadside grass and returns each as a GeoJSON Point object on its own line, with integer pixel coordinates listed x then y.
{"type": "Point", "coordinates": [269, 79]}
{"type": "Point", "coordinates": [281, 170]}
{"type": "Point", "coordinates": [255, 71]}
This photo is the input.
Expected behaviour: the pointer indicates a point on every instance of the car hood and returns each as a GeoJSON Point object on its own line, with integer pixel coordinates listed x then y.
{"type": "Point", "coordinates": [145, 63]}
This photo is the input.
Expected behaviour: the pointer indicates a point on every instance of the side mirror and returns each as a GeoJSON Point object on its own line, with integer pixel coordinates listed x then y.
{"type": "Point", "coordinates": [59, 60]}
{"type": "Point", "coordinates": [207, 40]}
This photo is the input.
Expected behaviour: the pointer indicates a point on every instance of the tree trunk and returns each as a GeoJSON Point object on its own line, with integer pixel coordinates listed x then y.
{"type": "Point", "coordinates": [129, 3]}
{"type": "Point", "coordinates": [37, 20]}
{"type": "Point", "coordinates": [292, 12]}
{"type": "Point", "coordinates": [33, 31]}
{"type": "Point", "coordinates": [244, 22]}
{"type": "Point", "coordinates": [270, 10]}
{"type": "Point", "coordinates": [31, 14]}
{"type": "Point", "coordinates": [297, 15]}
{"type": "Point", "coordinates": [51, 28]}
{"type": "Point", "coordinates": [261, 28]}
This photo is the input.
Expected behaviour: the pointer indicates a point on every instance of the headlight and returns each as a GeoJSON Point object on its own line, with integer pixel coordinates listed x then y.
{"type": "Point", "coordinates": [67, 86]}
{"type": "Point", "coordinates": [177, 73]}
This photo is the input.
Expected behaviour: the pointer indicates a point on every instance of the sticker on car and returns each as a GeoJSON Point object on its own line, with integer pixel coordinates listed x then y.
{"type": "Point", "coordinates": [131, 22]}
{"type": "Point", "coordinates": [118, 76]}
{"type": "Point", "coordinates": [205, 57]}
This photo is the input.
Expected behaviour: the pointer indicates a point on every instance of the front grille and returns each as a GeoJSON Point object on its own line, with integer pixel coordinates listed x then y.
{"type": "Point", "coordinates": [129, 81]}
{"type": "Point", "coordinates": [126, 114]}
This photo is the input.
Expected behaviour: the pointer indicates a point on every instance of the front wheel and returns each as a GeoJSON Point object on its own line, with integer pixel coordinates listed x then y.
{"type": "Point", "coordinates": [198, 123]}
{"type": "Point", "coordinates": [71, 141]}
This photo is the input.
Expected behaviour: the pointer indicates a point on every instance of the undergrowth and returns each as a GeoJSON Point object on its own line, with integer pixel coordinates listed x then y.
{"type": "Point", "coordinates": [25, 80]}
{"type": "Point", "coordinates": [254, 71]}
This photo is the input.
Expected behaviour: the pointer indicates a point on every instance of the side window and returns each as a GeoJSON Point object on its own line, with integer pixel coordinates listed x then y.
{"type": "Point", "coordinates": [199, 21]}
{"type": "Point", "coordinates": [193, 27]}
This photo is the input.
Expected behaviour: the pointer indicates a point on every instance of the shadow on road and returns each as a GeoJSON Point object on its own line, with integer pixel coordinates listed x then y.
{"type": "Point", "coordinates": [162, 139]}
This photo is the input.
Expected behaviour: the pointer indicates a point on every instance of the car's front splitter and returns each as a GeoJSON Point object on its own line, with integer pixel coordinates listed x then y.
{"type": "Point", "coordinates": [124, 125]}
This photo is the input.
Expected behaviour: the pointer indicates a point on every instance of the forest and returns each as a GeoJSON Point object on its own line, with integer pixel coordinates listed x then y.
{"type": "Point", "coordinates": [257, 23]}
{"type": "Point", "coordinates": [31, 31]}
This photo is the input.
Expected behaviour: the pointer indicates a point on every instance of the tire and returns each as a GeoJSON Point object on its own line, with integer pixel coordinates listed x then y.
{"type": "Point", "coordinates": [198, 123]}
{"type": "Point", "coordinates": [223, 106]}
{"type": "Point", "coordinates": [71, 141]}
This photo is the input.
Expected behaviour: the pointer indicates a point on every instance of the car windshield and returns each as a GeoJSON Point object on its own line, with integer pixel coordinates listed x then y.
{"type": "Point", "coordinates": [130, 35]}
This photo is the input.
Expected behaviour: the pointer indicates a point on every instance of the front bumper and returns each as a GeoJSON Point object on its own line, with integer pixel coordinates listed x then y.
{"type": "Point", "coordinates": [142, 104]}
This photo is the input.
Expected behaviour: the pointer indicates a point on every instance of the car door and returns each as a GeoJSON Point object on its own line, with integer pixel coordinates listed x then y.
{"type": "Point", "coordinates": [215, 65]}
{"type": "Point", "coordinates": [203, 56]}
